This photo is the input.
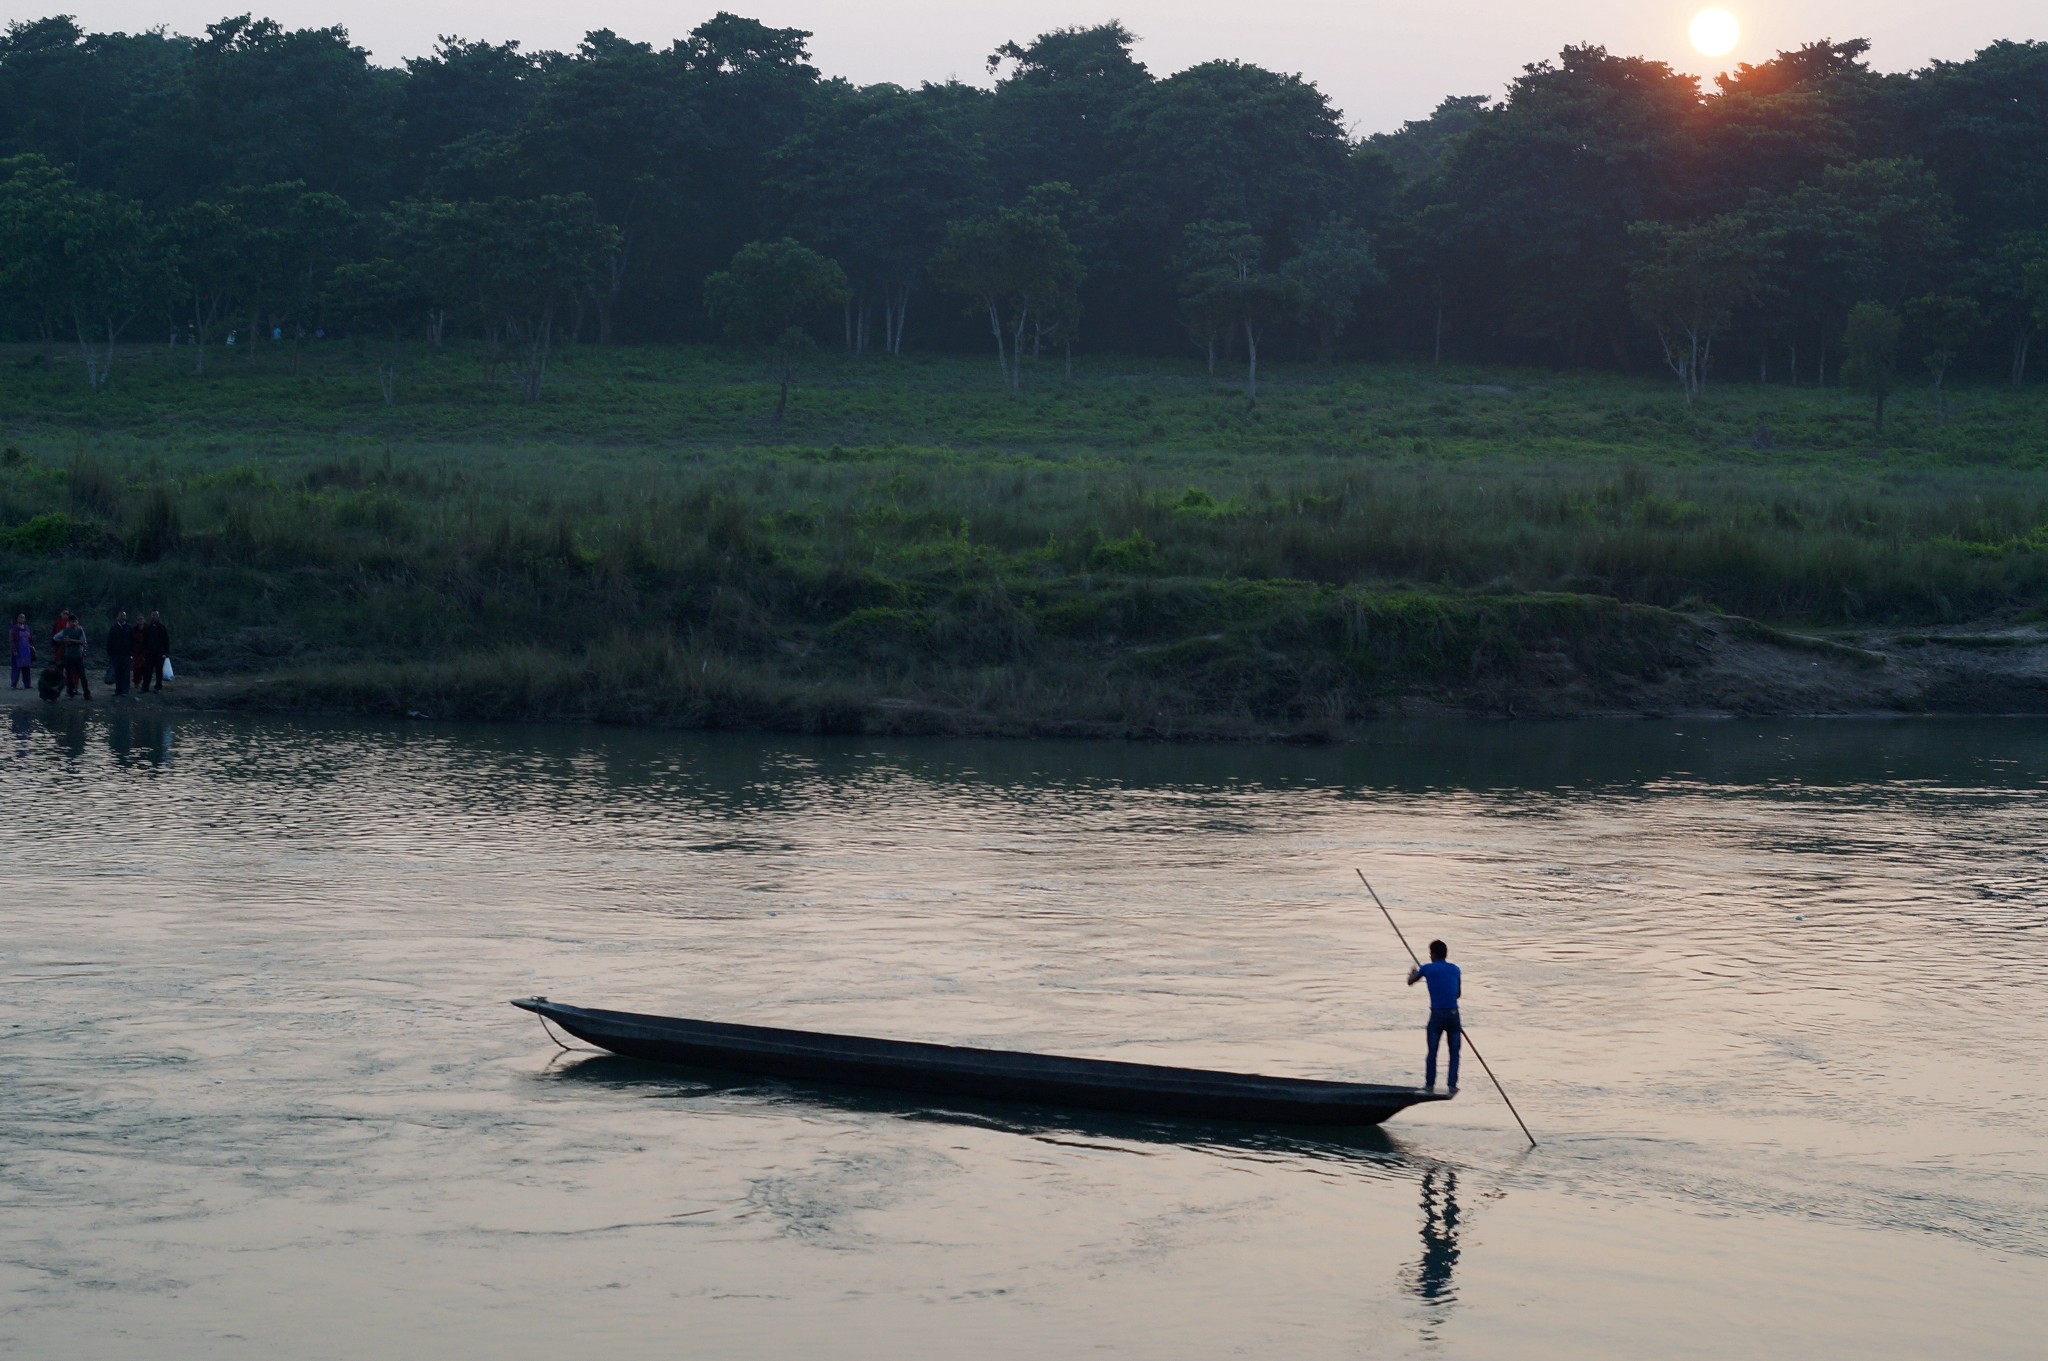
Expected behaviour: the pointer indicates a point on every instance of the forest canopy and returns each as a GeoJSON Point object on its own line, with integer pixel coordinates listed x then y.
{"type": "Point", "coordinates": [1604, 211]}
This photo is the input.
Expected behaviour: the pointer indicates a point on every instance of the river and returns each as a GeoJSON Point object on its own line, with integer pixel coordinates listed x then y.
{"type": "Point", "coordinates": [1771, 996]}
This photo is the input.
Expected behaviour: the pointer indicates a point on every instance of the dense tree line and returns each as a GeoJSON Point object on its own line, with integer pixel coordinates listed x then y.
{"type": "Point", "coordinates": [272, 183]}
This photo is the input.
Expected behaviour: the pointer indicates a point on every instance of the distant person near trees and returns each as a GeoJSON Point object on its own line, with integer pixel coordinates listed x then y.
{"type": "Point", "coordinates": [120, 652]}
{"type": "Point", "coordinates": [74, 644]}
{"type": "Point", "coordinates": [21, 653]}
{"type": "Point", "coordinates": [156, 647]}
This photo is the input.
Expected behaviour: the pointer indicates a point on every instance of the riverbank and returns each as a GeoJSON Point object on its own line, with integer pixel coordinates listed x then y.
{"type": "Point", "coordinates": [1717, 666]}
{"type": "Point", "coordinates": [1126, 553]}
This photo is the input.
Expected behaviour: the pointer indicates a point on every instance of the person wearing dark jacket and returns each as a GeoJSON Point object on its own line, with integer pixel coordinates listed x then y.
{"type": "Point", "coordinates": [73, 641]}
{"type": "Point", "coordinates": [120, 651]}
{"type": "Point", "coordinates": [155, 642]}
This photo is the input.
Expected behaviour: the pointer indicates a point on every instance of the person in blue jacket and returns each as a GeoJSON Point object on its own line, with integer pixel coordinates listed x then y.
{"type": "Point", "coordinates": [1445, 987]}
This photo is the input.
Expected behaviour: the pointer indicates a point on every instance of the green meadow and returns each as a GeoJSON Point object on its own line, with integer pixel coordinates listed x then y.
{"type": "Point", "coordinates": [1128, 548]}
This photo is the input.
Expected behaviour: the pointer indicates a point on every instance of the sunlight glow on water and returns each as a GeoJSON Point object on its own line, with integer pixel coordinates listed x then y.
{"type": "Point", "coordinates": [1770, 996]}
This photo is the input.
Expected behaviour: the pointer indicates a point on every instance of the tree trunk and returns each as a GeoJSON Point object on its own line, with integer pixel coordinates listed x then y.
{"type": "Point", "coordinates": [1212, 353]}
{"type": "Point", "coordinates": [995, 325]}
{"type": "Point", "coordinates": [2022, 341]}
{"type": "Point", "coordinates": [1070, 361]}
{"type": "Point", "coordinates": [846, 322]}
{"type": "Point", "coordinates": [1436, 357]}
{"type": "Point", "coordinates": [1940, 408]}
{"type": "Point", "coordinates": [1251, 372]}
{"type": "Point", "coordinates": [1017, 351]}
{"type": "Point", "coordinates": [902, 310]}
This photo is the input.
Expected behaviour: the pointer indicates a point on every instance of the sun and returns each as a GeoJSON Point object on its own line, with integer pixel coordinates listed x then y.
{"type": "Point", "coordinates": [1714, 32]}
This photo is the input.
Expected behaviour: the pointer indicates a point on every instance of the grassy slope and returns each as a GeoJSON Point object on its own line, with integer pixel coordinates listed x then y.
{"type": "Point", "coordinates": [1131, 548]}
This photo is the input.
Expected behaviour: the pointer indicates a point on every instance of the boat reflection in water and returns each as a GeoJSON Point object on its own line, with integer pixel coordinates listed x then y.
{"type": "Point", "coordinates": [1367, 1152]}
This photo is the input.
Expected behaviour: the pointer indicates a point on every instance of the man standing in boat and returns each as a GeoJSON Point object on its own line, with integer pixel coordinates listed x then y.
{"type": "Point", "coordinates": [1445, 987]}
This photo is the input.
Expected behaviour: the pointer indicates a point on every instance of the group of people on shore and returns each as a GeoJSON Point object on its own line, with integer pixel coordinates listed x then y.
{"type": "Point", "coordinates": [138, 655]}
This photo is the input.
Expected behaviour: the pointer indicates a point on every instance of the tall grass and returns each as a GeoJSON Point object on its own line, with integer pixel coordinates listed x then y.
{"type": "Point", "coordinates": [952, 549]}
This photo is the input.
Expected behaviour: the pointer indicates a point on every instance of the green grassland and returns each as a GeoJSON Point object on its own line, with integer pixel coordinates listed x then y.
{"type": "Point", "coordinates": [1128, 549]}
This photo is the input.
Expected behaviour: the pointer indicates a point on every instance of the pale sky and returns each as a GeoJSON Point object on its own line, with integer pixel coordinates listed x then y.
{"type": "Point", "coordinates": [1381, 63]}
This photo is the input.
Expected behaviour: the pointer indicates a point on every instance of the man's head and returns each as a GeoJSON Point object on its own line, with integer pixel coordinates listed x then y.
{"type": "Point", "coordinates": [1438, 950]}
{"type": "Point", "coordinates": [156, 616]}
{"type": "Point", "coordinates": [120, 616]}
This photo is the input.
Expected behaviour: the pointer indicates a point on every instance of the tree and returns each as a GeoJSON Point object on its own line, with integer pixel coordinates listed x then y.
{"type": "Point", "coordinates": [871, 183]}
{"type": "Point", "coordinates": [271, 105]}
{"type": "Point", "coordinates": [1081, 219]}
{"type": "Point", "coordinates": [79, 257]}
{"type": "Point", "coordinates": [1055, 108]}
{"type": "Point", "coordinates": [1689, 283]}
{"type": "Point", "coordinates": [34, 268]}
{"type": "Point", "coordinates": [1947, 324]}
{"type": "Point", "coordinates": [1875, 230]}
{"type": "Point", "coordinates": [1224, 286]}
{"type": "Point", "coordinates": [1013, 266]}
{"type": "Point", "coordinates": [1213, 256]}
{"type": "Point", "coordinates": [1548, 184]}
{"type": "Point", "coordinates": [1870, 345]}
{"type": "Point", "coordinates": [2009, 280]}
{"type": "Point", "coordinates": [614, 125]}
{"type": "Point", "coordinates": [204, 242]}
{"type": "Point", "coordinates": [379, 301]}
{"type": "Point", "coordinates": [537, 255]}
{"type": "Point", "coordinates": [1334, 267]}
{"type": "Point", "coordinates": [289, 238]}
{"type": "Point", "coordinates": [441, 243]}
{"type": "Point", "coordinates": [766, 295]}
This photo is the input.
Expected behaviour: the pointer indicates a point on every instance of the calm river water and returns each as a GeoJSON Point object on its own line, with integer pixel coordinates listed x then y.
{"type": "Point", "coordinates": [1774, 996]}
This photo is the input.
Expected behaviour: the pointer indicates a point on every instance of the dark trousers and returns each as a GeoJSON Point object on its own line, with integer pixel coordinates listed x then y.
{"type": "Point", "coordinates": [120, 666]}
{"type": "Point", "coordinates": [74, 677]}
{"type": "Point", "coordinates": [153, 673]}
{"type": "Point", "coordinates": [18, 677]}
{"type": "Point", "coordinates": [1442, 1023]}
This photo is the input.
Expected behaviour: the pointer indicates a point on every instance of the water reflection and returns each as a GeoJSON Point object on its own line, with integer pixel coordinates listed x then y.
{"type": "Point", "coordinates": [138, 739]}
{"type": "Point", "coordinates": [1430, 1280]}
{"type": "Point", "coordinates": [1366, 1150]}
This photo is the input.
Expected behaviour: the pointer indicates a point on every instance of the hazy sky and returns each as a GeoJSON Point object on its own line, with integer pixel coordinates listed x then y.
{"type": "Point", "coordinates": [1380, 62]}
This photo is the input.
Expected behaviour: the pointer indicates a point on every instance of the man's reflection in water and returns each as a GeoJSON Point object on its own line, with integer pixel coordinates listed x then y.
{"type": "Point", "coordinates": [1431, 1277]}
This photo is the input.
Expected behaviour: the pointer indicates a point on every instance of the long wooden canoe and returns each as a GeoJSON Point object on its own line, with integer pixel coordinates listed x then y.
{"type": "Point", "coordinates": [999, 1074]}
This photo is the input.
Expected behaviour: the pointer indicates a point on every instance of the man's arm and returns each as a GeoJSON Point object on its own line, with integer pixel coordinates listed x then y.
{"type": "Point", "coordinates": [1415, 975]}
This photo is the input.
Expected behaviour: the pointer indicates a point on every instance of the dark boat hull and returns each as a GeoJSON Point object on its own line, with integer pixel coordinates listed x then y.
{"type": "Point", "coordinates": [992, 1074]}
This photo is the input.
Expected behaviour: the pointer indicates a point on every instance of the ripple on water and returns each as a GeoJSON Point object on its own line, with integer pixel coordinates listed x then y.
{"type": "Point", "coordinates": [1770, 996]}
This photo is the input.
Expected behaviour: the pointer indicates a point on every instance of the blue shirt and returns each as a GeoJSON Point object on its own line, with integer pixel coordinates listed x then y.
{"type": "Point", "coordinates": [1444, 984]}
